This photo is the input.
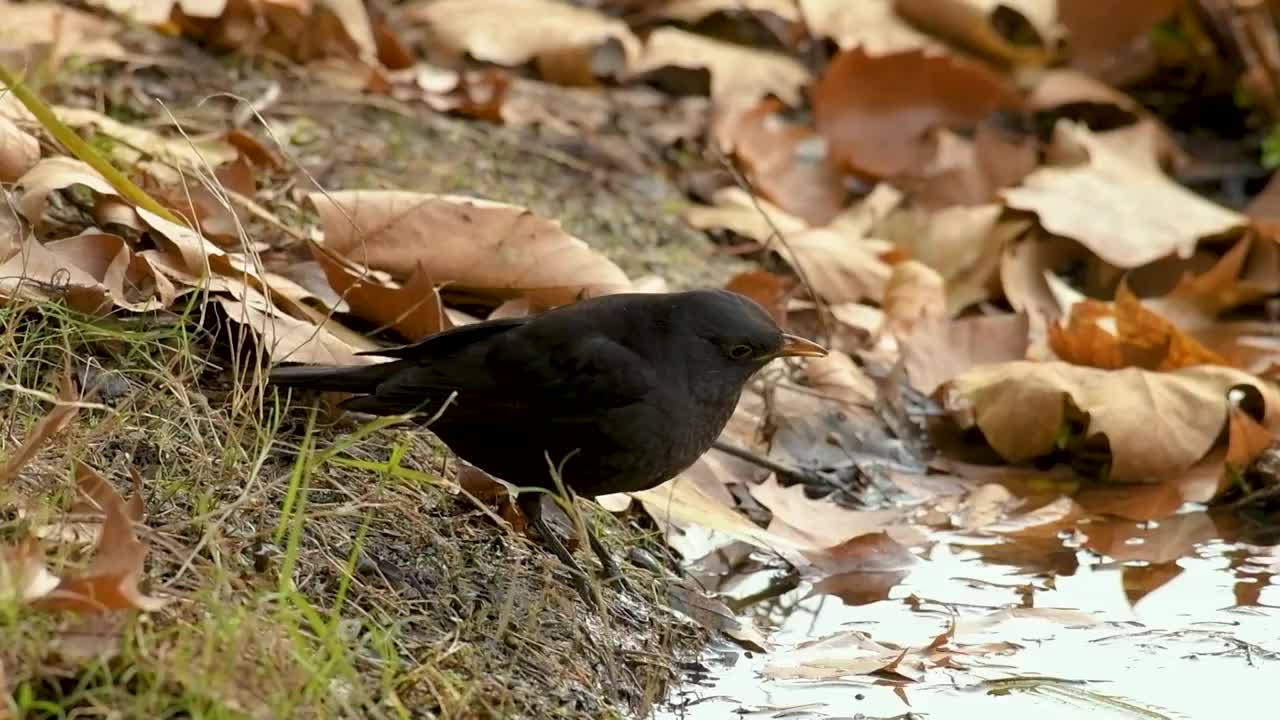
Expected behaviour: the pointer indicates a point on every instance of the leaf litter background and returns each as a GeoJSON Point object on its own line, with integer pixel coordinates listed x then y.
{"type": "Point", "coordinates": [1043, 446]}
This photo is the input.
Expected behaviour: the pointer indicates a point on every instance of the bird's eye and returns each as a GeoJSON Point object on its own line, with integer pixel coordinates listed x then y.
{"type": "Point", "coordinates": [740, 352]}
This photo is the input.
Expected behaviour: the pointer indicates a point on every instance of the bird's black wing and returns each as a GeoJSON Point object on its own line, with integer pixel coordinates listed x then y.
{"type": "Point", "coordinates": [572, 381]}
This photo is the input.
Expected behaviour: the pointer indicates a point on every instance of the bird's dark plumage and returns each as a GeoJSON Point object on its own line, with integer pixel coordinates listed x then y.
{"type": "Point", "coordinates": [631, 388]}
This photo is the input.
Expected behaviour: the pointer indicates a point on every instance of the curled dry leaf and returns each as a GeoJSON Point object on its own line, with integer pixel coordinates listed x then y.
{"type": "Point", "coordinates": [57, 419]}
{"type": "Point", "coordinates": [737, 74]}
{"type": "Point", "coordinates": [837, 267]}
{"type": "Point", "coordinates": [1132, 131]}
{"type": "Point", "coordinates": [819, 525]}
{"type": "Point", "coordinates": [1156, 424]}
{"type": "Point", "coordinates": [786, 163]}
{"type": "Point", "coordinates": [470, 243]}
{"type": "Point", "coordinates": [413, 310]}
{"type": "Point", "coordinates": [1130, 222]}
{"type": "Point", "coordinates": [877, 111]}
{"type": "Point", "coordinates": [286, 339]}
{"type": "Point", "coordinates": [767, 289]}
{"type": "Point", "coordinates": [1142, 338]}
{"type": "Point", "coordinates": [915, 292]}
{"type": "Point", "coordinates": [1242, 275]}
{"type": "Point", "coordinates": [92, 273]}
{"type": "Point", "coordinates": [55, 173]}
{"type": "Point", "coordinates": [734, 209]}
{"type": "Point", "coordinates": [1246, 440]}
{"type": "Point", "coordinates": [485, 30]}
{"type": "Point", "coordinates": [683, 502]}
{"type": "Point", "coordinates": [1015, 31]}
{"type": "Point", "coordinates": [1112, 41]}
{"type": "Point", "coordinates": [952, 240]}
{"type": "Point", "coordinates": [19, 151]}
{"type": "Point", "coordinates": [111, 580]}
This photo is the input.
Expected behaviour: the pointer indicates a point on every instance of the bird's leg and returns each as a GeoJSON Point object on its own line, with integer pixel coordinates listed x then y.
{"type": "Point", "coordinates": [530, 504]}
{"type": "Point", "coordinates": [611, 572]}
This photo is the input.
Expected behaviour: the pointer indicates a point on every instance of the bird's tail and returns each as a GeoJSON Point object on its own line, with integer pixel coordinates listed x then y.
{"type": "Point", "coordinates": [359, 379]}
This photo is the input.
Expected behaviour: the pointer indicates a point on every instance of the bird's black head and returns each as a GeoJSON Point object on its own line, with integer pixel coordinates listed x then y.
{"type": "Point", "coordinates": [738, 328]}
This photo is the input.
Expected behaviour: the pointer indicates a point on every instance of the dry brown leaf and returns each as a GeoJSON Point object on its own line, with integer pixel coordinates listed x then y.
{"type": "Point", "coordinates": [65, 31]}
{"type": "Point", "coordinates": [286, 339]}
{"type": "Point", "coordinates": [1141, 338]}
{"type": "Point", "coordinates": [848, 653]}
{"type": "Point", "coordinates": [204, 206]}
{"type": "Point", "coordinates": [786, 163]}
{"type": "Point", "coordinates": [1246, 440]}
{"type": "Point", "coordinates": [738, 74]}
{"type": "Point", "coordinates": [467, 242]}
{"type": "Point", "coordinates": [768, 290]}
{"type": "Point", "coordinates": [1130, 221]}
{"type": "Point", "coordinates": [413, 310]}
{"type": "Point", "coordinates": [19, 151]}
{"type": "Point", "coordinates": [55, 173]}
{"type": "Point", "coordinates": [111, 580]}
{"type": "Point", "coordinates": [1144, 140]}
{"type": "Point", "coordinates": [817, 525]}
{"type": "Point", "coordinates": [1026, 266]}
{"type": "Point", "coordinates": [682, 501]}
{"type": "Point", "coordinates": [1157, 424]}
{"type": "Point", "coordinates": [1112, 41]}
{"type": "Point", "coordinates": [915, 293]}
{"type": "Point", "coordinates": [90, 272]}
{"type": "Point", "coordinates": [129, 280]}
{"type": "Point", "coordinates": [838, 267]}
{"type": "Point", "coordinates": [733, 209]}
{"type": "Point", "coordinates": [938, 350]}
{"type": "Point", "coordinates": [951, 240]}
{"type": "Point", "coordinates": [1196, 301]}
{"type": "Point", "coordinates": [1265, 206]}
{"type": "Point", "coordinates": [876, 112]}
{"type": "Point", "coordinates": [951, 173]}
{"type": "Point", "coordinates": [37, 272]}
{"type": "Point", "coordinates": [838, 263]}
{"type": "Point", "coordinates": [51, 424]}
{"type": "Point", "coordinates": [985, 26]}
{"type": "Point", "coordinates": [488, 30]}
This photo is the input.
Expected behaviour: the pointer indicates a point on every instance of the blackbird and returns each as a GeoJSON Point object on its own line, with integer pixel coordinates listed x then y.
{"type": "Point", "coordinates": [619, 393]}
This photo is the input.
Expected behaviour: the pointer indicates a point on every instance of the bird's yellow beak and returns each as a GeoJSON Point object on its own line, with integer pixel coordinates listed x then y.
{"type": "Point", "coordinates": [795, 346]}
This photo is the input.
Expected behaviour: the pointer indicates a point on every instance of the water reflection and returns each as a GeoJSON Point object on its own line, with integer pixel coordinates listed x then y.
{"type": "Point", "coordinates": [1119, 618]}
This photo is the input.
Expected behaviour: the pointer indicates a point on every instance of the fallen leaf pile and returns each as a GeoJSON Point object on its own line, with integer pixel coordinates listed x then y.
{"type": "Point", "coordinates": [962, 199]}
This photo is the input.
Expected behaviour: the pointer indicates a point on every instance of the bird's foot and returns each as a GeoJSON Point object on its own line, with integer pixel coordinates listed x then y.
{"type": "Point", "coordinates": [612, 573]}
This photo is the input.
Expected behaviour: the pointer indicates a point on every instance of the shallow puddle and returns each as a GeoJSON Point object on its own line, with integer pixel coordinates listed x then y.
{"type": "Point", "coordinates": [1178, 618]}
